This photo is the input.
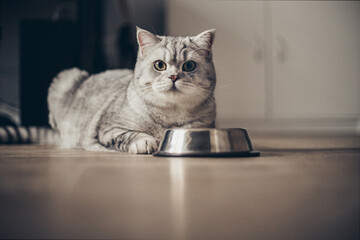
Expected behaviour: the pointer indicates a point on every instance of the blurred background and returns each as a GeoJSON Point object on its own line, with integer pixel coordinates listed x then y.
{"type": "Point", "coordinates": [282, 66]}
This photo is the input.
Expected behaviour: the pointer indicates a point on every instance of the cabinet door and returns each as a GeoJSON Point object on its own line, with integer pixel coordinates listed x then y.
{"type": "Point", "coordinates": [316, 59]}
{"type": "Point", "coordinates": [238, 51]}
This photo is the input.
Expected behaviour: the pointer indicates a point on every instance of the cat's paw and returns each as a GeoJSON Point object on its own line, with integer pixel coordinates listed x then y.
{"type": "Point", "coordinates": [145, 145]}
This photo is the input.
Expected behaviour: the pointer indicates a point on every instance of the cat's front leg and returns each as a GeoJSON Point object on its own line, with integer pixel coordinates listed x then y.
{"type": "Point", "coordinates": [128, 141]}
{"type": "Point", "coordinates": [143, 144]}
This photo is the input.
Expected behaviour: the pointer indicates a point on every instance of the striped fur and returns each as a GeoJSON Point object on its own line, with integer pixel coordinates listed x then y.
{"type": "Point", "coordinates": [27, 135]}
{"type": "Point", "coordinates": [125, 110]}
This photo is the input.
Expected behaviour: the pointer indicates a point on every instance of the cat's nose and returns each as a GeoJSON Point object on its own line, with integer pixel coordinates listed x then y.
{"type": "Point", "coordinates": [174, 78]}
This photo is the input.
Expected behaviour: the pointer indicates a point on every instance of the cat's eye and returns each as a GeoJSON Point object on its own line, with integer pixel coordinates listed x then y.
{"type": "Point", "coordinates": [160, 65]}
{"type": "Point", "coordinates": [189, 66]}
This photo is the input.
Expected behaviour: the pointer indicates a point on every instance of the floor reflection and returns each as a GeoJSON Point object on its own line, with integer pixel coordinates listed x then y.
{"type": "Point", "coordinates": [177, 175]}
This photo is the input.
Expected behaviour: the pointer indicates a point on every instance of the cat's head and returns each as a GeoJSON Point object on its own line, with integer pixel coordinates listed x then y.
{"type": "Point", "coordinates": [175, 70]}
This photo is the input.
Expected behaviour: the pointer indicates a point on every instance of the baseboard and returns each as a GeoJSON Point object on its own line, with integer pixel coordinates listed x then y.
{"type": "Point", "coordinates": [335, 126]}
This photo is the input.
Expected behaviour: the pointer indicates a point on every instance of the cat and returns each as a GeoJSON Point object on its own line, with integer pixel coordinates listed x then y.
{"type": "Point", "coordinates": [172, 86]}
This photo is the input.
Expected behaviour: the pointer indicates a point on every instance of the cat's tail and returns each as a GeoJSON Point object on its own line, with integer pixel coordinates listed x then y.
{"type": "Point", "coordinates": [61, 91]}
{"type": "Point", "coordinates": [28, 135]}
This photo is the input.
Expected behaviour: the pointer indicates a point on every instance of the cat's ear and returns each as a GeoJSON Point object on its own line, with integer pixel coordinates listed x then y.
{"type": "Point", "coordinates": [145, 40]}
{"type": "Point", "coordinates": [205, 39]}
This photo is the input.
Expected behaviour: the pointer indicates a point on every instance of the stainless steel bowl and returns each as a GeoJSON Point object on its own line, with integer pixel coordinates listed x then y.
{"type": "Point", "coordinates": [206, 142]}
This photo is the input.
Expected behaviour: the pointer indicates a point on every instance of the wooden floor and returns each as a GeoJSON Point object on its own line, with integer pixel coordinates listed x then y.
{"type": "Point", "coordinates": [302, 187]}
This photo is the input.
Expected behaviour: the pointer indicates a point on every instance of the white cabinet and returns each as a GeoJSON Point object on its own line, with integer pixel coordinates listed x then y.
{"type": "Point", "coordinates": [316, 59]}
{"type": "Point", "coordinates": [280, 60]}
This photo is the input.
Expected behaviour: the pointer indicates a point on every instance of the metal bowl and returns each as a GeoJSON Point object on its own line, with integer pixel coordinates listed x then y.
{"type": "Point", "coordinates": [206, 142]}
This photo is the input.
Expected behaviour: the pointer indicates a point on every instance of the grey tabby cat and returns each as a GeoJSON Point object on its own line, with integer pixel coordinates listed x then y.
{"type": "Point", "coordinates": [172, 86]}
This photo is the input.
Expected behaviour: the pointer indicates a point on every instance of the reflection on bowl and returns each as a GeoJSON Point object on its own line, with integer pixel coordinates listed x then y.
{"type": "Point", "coordinates": [206, 142]}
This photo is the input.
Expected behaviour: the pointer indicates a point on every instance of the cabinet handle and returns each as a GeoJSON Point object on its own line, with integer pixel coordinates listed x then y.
{"type": "Point", "coordinates": [281, 49]}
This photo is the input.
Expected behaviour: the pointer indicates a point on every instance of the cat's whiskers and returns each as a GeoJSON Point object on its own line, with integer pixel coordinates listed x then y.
{"type": "Point", "coordinates": [207, 94]}
{"type": "Point", "coordinates": [162, 86]}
